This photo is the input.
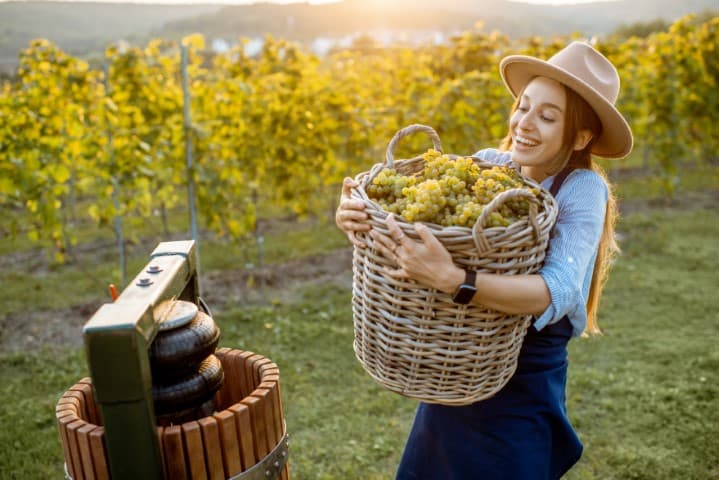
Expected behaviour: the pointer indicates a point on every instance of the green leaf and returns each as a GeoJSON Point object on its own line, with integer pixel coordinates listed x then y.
{"type": "Point", "coordinates": [59, 172]}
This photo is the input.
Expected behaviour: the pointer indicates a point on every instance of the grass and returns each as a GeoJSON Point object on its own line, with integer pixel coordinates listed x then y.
{"type": "Point", "coordinates": [653, 188]}
{"type": "Point", "coordinates": [86, 281]}
{"type": "Point", "coordinates": [30, 385]}
{"type": "Point", "coordinates": [644, 397]}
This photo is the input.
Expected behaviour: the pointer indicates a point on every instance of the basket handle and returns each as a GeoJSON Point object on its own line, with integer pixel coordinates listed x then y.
{"type": "Point", "coordinates": [389, 157]}
{"type": "Point", "coordinates": [480, 239]}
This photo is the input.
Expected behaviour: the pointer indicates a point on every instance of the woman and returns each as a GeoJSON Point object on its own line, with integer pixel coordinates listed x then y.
{"type": "Point", "coordinates": [564, 112]}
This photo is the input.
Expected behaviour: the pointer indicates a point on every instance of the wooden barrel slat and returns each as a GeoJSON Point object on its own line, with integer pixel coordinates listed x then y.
{"type": "Point", "coordinates": [273, 417]}
{"type": "Point", "coordinates": [245, 380]}
{"type": "Point", "coordinates": [174, 453]}
{"type": "Point", "coordinates": [244, 434]}
{"type": "Point", "coordinates": [230, 445]}
{"type": "Point", "coordinates": [257, 366]}
{"type": "Point", "coordinates": [91, 398]}
{"type": "Point", "coordinates": [92, 403]}
{"type": "Point", "coordinates": [221, 352]}
{"type": "Point", "coordinates": [234, 389]}
{"type": "Point", "coordinates": [75, 449]}
{"type": "Point", "coordinates": [258, 427]}
{"type": "Point", "coordinates": [222, 398]}
{"type": "Point", "coordinates": [271, 382]}
{"type": "Point", "coordinates": [249, 367]}
{"type": "Point", "coordinates": [212, 446]}
{"type": "Point", "coordinates": [269, 369]}
{"type": "Point", "coordinates": [99, 456]}
{"type": "Point", "coordinates": [62, 419]}
{"type": "Point", "coordinates": [70, 459]}
{"type": "Point", "coordinates": [160, 433]}
{"type": "Point", "coordinates": [265, 416]}
{"type": "Point", "coordinates": [83, 443]}
{"type": "Point", "coordinates": [89, 401]}
{"type": "Point", "coordinates": [80, 398]}
{"type": "Point", "coordinates": [192, 437]}
{"type": "Point", "coordinates": [280, 408]}
{"type": "Point", "coordinates": [69, 404]}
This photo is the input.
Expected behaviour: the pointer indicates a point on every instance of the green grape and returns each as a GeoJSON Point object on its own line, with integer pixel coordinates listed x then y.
{"type": "Point", "coordinates": [497, 220]}
{"type": "Point", "coordinates": [382, 186]}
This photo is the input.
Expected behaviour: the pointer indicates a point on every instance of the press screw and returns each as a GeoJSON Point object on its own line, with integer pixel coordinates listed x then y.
{"type": "Point", "coordinates": [144, 282]}
{"type": "Point", "coordinates": [154, 269]}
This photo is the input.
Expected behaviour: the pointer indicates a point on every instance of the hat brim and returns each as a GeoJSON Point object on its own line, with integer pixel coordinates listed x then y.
{"type": "Point", "coordinates": [616, 139]}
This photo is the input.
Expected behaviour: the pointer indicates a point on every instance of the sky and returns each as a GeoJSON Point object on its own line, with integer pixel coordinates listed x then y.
{"type": "Point", "coordinates": [319, 2]}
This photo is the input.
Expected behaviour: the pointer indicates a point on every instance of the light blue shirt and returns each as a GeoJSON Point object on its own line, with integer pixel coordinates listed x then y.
{"type": "Point", "coordinates": [573, 242]}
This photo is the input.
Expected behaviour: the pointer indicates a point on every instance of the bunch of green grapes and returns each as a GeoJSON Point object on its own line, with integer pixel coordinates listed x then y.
{"type": "Point", "coordinates": [450, 192]}
{"type": "Point", "coordinates": [388, 185]}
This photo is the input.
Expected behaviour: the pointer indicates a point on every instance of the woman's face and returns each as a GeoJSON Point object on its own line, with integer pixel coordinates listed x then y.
{"type": "Point", "coordinates": [537, 126]}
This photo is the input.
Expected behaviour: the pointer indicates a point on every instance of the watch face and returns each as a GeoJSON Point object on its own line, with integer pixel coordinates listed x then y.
{"type": "Point", "coordinates": [464, 294]}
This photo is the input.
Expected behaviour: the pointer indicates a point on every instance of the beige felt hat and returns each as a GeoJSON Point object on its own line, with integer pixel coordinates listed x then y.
{"type": "Point", "coordinates": [586, 71]}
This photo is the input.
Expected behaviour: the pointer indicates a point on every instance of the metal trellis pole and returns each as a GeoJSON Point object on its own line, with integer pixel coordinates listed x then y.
{"type": "Point", "coordinates": [188, 153]}
{"type": "Point", "coordinates": [115, 187]}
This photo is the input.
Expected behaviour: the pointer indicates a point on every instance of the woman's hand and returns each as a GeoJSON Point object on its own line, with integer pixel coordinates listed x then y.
{"type": "Point", "coordinates": [350, 215]}
{"type": "Point", "coordinates": [427, 261]}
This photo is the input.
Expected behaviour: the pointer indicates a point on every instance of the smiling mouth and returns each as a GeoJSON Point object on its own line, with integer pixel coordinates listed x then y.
{"type": "Point", "coordinates": [525, 141]}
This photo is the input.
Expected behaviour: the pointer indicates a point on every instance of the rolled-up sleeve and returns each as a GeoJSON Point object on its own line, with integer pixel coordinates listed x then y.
{"type": "Point", "coordinates": [573, 243]}
{"type": "Point", "coordinates": [492, 155]}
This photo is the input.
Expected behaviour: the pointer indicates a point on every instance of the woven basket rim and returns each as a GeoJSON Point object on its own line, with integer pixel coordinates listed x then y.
{"type": "Point", "coordinates": [547, 214]}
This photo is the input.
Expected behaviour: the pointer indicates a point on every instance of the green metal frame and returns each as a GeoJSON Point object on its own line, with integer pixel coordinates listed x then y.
{"type": "Point", "coordinates": [117, 339]}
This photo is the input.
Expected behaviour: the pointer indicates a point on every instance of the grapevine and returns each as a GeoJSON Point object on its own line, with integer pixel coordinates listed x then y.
{"type": "Point", "coordinates": [277, 131]}
{"type": "Point", "coordinates": [450, 192]}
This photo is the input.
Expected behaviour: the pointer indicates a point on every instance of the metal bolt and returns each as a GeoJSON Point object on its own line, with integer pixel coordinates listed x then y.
{"type": "Point", "coordinates": [284, 453]}
{"type": "Point", "coordinates": [144, 282]}
{"type": "Point", "coordinates": [277, 464]}
{"type": "Point", "coordinates": [267, 473]}
{"type": "Point", "coordinates": [154, 269]}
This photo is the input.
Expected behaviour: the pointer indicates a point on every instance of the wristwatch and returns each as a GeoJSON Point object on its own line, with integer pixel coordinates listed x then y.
{"type": "Point", "coordinates": [464, 293]}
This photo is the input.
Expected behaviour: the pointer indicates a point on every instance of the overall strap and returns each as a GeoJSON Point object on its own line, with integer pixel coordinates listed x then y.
{"type": "Point", "coordinates": [559, 180]}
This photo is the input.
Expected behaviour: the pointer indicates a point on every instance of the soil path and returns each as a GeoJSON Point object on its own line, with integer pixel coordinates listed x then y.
{"type": "Point", "coordinates": [32, 330]}
{"type": "Point", "coordinates": [62, 328]}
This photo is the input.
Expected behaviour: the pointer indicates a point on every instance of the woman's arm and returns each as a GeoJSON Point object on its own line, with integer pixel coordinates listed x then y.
{"type": "Point", "coordinates": [429, 263]}
{"type": "Point", "coordinates": [512, 294]}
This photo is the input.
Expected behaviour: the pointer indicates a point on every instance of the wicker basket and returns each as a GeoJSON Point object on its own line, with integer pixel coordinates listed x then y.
{"type": "Point", "coordinates": [416, 341]}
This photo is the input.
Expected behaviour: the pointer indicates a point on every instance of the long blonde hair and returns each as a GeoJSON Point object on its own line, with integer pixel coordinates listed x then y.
{"type": "Point", "coordinates": [579, 116]}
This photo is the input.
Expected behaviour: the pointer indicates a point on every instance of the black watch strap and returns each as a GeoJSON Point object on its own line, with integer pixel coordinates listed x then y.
{"type": "Point", "coordinates": [464, 293]}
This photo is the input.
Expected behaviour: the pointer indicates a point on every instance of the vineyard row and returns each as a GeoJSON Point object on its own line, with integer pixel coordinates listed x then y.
{"type": "Point", "coordinates": [288, 124]}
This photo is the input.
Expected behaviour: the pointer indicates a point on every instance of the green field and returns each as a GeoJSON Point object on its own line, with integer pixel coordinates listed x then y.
{"type": "Point", "coordinates": [644, 397]}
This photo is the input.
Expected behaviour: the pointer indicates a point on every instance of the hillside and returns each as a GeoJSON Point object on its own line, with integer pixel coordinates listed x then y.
{"type": "Point", "coordinates": [304, 21]}
{"type": "Point", "coordinates": [85, 28]}
{"type": "Point", "coordinates": [82, 28]}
